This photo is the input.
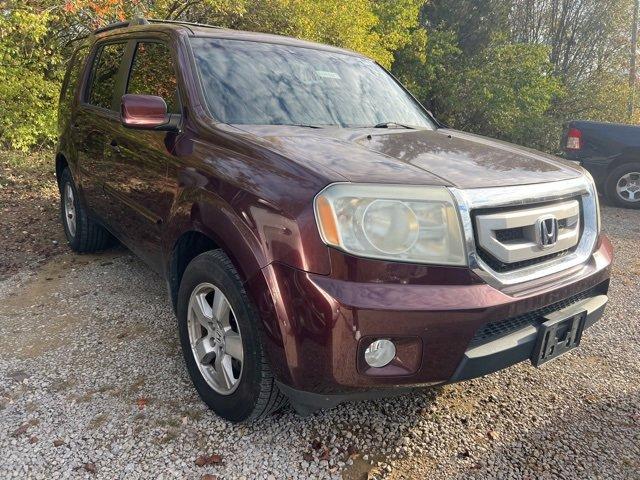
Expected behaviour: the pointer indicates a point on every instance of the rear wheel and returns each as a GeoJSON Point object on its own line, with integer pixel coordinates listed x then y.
{"type": "Point", "coordinates": [221, 341]}
{"type": "Point", "coordinates": [623, 186]}
{"type": "Point", "coordinates": [83, 233]}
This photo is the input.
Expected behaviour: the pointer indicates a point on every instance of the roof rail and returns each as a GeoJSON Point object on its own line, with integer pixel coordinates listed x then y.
{"type": "Point", "coordinates": [128, 23]}
{"type": "Point", "coordinates": [180, 22]}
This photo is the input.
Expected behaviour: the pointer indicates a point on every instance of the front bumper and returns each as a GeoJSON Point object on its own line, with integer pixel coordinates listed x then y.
{"type": "Point", "coordinates": [518, 346]}
{"type": "Point", "coordinates": [477, 361]}
{"type": "Point", "coordinates": [432, 313]}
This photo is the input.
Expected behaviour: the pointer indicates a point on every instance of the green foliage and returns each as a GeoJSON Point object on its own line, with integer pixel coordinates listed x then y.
{"type": "Point", "coordinates": [601, 97]}
{"type": "Point", "coordinates": [29, 78]}
{"type": "Point", "coordinates": [397, 24]}
{"type": "Point", "coordinates": [427, 65]}
{"type": "Point", "coordinates": [372, 27]}
{"type": "Point", "coordinates": [518, 70]}
{"type": "Point", "coordinates": [505, 92]}
{"type": "Point", "coordinates": [474, 23]}
{"type": "Point", "coordinates": [325, 21]}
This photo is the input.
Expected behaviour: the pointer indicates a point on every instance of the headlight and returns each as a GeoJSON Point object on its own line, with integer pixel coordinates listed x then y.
{"type": "Point", "coordinates": [391, 222]}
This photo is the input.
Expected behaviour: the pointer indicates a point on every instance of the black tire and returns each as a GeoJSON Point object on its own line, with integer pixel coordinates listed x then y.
{"type": "Point", "coordinates": [612, 181]}
{"type": "Point", "coordinates": [257, 394]}
{"type": "Point", "coordinates": [89, 236]}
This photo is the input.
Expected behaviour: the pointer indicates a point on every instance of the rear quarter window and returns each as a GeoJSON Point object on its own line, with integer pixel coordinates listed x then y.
{"type": "Point", "coordinates": [73, 73]}
{"type": "Point", "coordinates": [70, 85]}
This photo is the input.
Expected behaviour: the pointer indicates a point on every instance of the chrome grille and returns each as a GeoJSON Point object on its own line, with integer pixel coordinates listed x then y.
{"type": "Point", "coordinates": [475, 201]}
{"type": "Point", "coordinates": [512, 236]}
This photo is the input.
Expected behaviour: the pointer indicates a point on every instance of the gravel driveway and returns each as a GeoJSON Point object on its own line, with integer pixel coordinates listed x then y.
{"type": "Point", "coordinates": [92, 384]}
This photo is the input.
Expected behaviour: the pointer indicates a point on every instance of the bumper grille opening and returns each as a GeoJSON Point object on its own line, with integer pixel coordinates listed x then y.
{"type": "Point", "coordinates": [494, 330]}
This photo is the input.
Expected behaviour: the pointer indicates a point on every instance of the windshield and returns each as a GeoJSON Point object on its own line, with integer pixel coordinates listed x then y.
{"type": "Point", "coordinates": [269, 84]}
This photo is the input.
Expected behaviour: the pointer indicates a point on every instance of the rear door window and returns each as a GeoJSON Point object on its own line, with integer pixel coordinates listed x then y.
{"type": "Point", "coordinates": [152, 73]}
{"type": "Point", "coordinates": [105, 75]}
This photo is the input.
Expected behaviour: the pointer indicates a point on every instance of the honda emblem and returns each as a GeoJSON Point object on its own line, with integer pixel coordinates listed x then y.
{"type": "Point", "coordinates": [547, 231]}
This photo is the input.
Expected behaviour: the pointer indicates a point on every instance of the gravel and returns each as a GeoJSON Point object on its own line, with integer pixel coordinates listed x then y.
{"type": "Point", "coordinates": [92, 385]}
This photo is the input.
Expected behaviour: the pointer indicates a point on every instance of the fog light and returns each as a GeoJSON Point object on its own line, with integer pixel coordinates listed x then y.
{"type": "Point", "coordinates": [380, 353]}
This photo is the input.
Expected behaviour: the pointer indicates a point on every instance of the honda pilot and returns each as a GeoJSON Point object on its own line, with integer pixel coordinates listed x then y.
{"type": "Point", "coordinates": [322, 236]}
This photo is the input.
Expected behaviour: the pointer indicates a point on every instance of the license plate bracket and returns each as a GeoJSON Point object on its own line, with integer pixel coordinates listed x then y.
{"type": "Point", "coordinates": [556, 337]}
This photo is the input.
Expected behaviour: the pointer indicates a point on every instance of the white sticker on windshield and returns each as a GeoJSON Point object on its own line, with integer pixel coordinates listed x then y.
{"type": "Point", "coordinates": [325, 74]}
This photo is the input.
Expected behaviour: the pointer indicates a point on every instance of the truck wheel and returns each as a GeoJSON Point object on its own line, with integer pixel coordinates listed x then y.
{"type": "Point", "coordinates": [623, 186]}
{"type": "Point", "coordinates": [221, 341]}
{"type": "Point", "coordinates": [83, 234]}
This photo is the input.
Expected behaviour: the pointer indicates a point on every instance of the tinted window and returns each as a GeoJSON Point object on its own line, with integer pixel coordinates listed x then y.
{"type": "Point", "coordinates": [104, 75]}
{"type": "Point", "coordinates": [152, 73]}
{"type": "Point", "coordinates": [74, 72]}
{"type": "Point", "coordinates": [255, 83]}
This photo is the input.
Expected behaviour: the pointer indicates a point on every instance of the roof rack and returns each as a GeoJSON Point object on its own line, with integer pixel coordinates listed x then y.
{"type": "Point", "coordinates": [128, 23]}
{"type": "Point", "coordinates": [144, 21]}
{"type": "Point", "coordinates": [180, 22]}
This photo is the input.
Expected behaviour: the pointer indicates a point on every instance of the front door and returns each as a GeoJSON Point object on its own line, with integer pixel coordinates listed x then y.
{"type": "Point", "coordinates": [139, 185]}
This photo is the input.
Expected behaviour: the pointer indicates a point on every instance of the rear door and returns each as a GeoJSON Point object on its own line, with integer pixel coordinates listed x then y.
{"type": "Point", "coordinates": [138, 183]}
{"type": "Point", "coordinates": [95, 122]}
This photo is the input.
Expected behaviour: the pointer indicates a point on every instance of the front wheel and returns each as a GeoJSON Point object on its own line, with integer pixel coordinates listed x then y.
{"type": "Point", "coordinates": [623, 186]}
{"type": "Point", "coordinates": [221, 341]}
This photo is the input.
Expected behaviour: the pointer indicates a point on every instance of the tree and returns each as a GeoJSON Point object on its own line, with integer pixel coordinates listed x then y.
{"type": "Point", "coordinates": [514, 69]}
{"type": "Point", "coordinates": [29, 78]}
{"type": "Point", "coordinates": [584, 36]}
{"type": "Point", "coordinates": [475, 23]}
{"type": "Point", "coordinates": [468, 72]}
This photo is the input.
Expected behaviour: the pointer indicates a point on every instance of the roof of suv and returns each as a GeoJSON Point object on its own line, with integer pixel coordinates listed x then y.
{"type": "Point", "coordinates": [201, 30]}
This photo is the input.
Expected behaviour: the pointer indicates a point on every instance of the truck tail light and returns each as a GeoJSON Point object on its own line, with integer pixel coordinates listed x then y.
{"type": "Point", "coordinates": [574, 139]}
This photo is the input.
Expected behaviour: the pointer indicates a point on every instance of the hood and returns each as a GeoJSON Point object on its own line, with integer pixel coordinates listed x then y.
{"type": "Point", "coordinates": [417, 157]}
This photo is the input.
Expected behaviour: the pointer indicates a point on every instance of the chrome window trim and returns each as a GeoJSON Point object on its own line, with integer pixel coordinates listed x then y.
{"type": "Point", "coordinates": [514, 196]}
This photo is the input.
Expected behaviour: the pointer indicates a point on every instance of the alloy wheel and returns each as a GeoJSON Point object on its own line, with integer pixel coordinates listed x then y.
{"type": "Point", "coordinates": [628, 187]}
{"type": "Point", "coordinates": [214, 335]}
{"type": "Point", "coordinates": [69, 209]}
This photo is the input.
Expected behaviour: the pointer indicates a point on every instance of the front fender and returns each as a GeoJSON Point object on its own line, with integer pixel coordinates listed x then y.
{"type": "Point", "coordinates": [199, 211]}
{"type": "Point", "coordinates": [235, 233]}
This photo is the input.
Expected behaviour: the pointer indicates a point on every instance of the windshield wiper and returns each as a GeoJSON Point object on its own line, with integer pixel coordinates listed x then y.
{"type": "Point", "coordinates": [392, 124]}
{"type": "Point", "coordinates": [304, 125]}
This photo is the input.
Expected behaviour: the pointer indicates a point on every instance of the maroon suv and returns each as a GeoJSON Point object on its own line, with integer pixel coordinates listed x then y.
{"type": "Point", "coordinates": [322, 236]}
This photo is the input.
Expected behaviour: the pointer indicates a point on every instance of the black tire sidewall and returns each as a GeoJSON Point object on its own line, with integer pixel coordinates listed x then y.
{"type": "Point", "coordinates": [74, 240]}
{"type": "Point", "coordinates": [612, 182]}
{"type": "Point", "coordinates": [214, 267]}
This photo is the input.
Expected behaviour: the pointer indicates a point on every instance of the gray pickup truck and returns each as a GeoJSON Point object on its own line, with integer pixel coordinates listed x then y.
{"type": "Point", "coordinates": [611, 153]}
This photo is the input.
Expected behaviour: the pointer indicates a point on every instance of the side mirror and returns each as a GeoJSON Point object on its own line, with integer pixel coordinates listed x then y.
{"type": "Point", "coordinates": [147, 112]}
